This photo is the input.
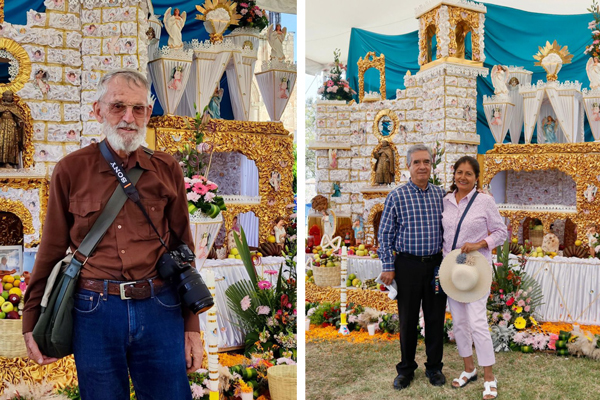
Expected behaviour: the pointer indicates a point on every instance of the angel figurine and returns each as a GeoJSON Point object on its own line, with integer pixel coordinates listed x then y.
{"type": "Point", "coordinates": [593, 72]}
{"type": "Point", "coordinates": [499, 79]}
{"type": "Point", "coordinates": [176, 78]}
{"type": "Point", "coordinates": [174, 24]}
{"type": "Point", "coordinates": [275, 38]}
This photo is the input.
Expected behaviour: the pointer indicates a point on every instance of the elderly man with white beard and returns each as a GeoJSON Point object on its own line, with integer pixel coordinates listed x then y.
{"type": "Point", "coordinates": [151, 338]}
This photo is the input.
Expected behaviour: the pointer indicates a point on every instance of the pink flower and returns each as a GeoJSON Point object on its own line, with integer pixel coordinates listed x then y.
{"type": "Point", "coordinates": [596, 41]}
{"type": "Point", "coordinates": [501, 291]}
{"type": "Point", "coordinates": [197, 391]}
{"type": "Point", "coordinates": [258, 13]}
{"type": "Point", "coordinates": [244, 4]}
{"type": "Point", "coordinates": [498, 264]}
{"type": "Point", "coordinates": [279, 312]}
{"type": "Point", "coordinates": [208, 197]}
{"type": "Point", "coordinates": [330, 83]}
{"type": "Point", "coordinates": [526, 308]}
{"type": "Point", "coordinates": [295, 312]}
{"type": "Point", "coordinates": [510, 301]}
{"type": "Point", "coordinates": [506, 316]}
{"type": "Point", "coordinates": [244, 11]}
{"type": "Point", "coordinates": [245, 303]}
{"type": "Point", "coordinates": [335, 88]}
{"type": "Point", "coordinates": [200, 188]}
{"type": "Point", "coordinates": [521, 303]}
{"type": "Point", "coordinates": [271, 272]}
{"type": "Point", "coordinates": [193, 197]}
{"type": "Point", "coordinates": [264, 285]}
{"type": "Point", "coordinates": [263, 310]}
{"type": "Point", "coordinates": [552, 342]}
{"type": "Point", "coordinates": [289, 305]}
{"type": "Point", "coordinates": [346, 89]}
{"type": "Point", "coordinates": [321, 90]}
{"type": "Point", "coordinates": [592, 25]}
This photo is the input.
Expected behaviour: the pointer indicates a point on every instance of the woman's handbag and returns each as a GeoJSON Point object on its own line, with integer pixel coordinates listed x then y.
{"type": "Point", "coordinates": [53, 331]}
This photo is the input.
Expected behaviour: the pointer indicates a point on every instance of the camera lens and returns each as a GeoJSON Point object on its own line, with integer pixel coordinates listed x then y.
{"type": "Point", "coordinates": [193, 291]}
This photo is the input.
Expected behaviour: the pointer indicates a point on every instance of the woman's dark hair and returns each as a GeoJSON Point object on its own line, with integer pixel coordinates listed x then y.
{"type": "Point", "coordinates": [474, 164]}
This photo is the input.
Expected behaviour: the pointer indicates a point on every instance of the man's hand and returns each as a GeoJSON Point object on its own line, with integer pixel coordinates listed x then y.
{"type": "Point", "coordinates": [388, 277]}
{"type": "Point", "coordinates": [193, 351]}
{"type": "Point", "coordinates": [33, 351]}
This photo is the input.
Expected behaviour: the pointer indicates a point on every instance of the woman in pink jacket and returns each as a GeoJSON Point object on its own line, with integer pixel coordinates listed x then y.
{"type": "Point", "coordinates": [481, 230]}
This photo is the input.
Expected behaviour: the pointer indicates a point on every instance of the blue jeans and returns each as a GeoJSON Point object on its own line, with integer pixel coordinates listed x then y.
{"type": "Point", "coordinates": [115, 339]}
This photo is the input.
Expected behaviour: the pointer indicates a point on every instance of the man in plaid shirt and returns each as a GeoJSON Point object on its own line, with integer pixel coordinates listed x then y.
{"type": "Point", "coordinates": [410, 248]}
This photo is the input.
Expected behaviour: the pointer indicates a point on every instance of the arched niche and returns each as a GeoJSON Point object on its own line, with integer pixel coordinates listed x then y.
{"type": "Point", "coordinates": [462, 35]}
{"type": "Point", "coordinates": [374, 220]}
{"type": "Point", "coordinates": [397, 163]}
{"type": "Point", "coordinates": [11, 229]}
{"type": "Point", "coordinates": [431, 43]}
{"type": "Point", "coordinates": [371, 61]}
{"type": "Point", "coordinates": [250, 223]}
{"type": "Point", "coordinates": [234, 173]}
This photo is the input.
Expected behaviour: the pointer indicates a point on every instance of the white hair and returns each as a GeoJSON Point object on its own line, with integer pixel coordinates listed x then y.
{"type": "Point", "coordinates": [131, 76]}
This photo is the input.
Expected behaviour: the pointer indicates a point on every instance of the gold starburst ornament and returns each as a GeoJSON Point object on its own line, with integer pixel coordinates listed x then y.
{"type": "Point", "coordinates": [217, 16]}
{"type": "Point", "coordinates": [552, 57]}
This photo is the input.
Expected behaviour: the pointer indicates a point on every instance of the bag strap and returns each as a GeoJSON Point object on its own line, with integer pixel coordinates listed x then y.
{"type": "Point", "coordinates": [462, 218]}
{"type": "Point", "coordinates": [128, 185]}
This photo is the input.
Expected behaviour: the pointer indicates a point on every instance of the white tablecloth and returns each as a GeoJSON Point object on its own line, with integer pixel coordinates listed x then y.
{"type": "Point", "coordinates": [571, 286]}
{"type": "Point", "coordinates": [227, 272]}
{"type": "Point", "coordinates": [571, 289]}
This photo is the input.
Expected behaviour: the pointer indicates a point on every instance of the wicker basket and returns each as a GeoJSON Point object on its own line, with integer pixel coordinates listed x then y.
{"type": "Point", "coordinates": [282, 382]}
{"type": "Point", "coordinates": [12, 344]}
{"type": "Point", "coordinates": [327, 276]}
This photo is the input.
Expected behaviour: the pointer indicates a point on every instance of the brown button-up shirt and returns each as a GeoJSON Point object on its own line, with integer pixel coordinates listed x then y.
{"type": "Point", "coordinates": [81, 185]}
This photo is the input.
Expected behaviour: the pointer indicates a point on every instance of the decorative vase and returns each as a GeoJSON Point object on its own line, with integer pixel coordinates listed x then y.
{"type": "Point", "coordinates": [371, 329]}
{"type": "Point", "coordinates": [247, 395]}
{"type": "Point", "coordinates": [204, 232]}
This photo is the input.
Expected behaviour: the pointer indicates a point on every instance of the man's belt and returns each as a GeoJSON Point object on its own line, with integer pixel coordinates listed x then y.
{"type": "Point", "coordinates": [423, 259]}
{"type": "Point", "coordinates": [136, 290]}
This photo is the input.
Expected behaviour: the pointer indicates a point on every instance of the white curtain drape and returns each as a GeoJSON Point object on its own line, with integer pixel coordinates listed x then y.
{"type": "Point", "coordinates": [531, 105]}
{"type": "Point", "coordinates": [161, 72]}
{"type": "Point", "coordinates": [566, 111]}
{"type": "Point", "coordinates": [271, 85]}
{"type": "Point", "coordinates": [249, 173]}
{"type": "Point", "coordinates": [593, 113]}
{"type": "Point", "coordinates": [250, 223]}
{"type": "Point", "coordinates": [240, 72]}
{"type": "Point", "coordinates": [516, 123]}
{"type": "Point", "coordinates": [208, 68]}
{"type": "Point", "coordinates": [498, 124]}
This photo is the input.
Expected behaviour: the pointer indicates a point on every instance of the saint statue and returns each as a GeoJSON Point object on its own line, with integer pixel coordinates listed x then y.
{"type": "Point", "coordinates": [593, 71]}
{"type": "Point", "coordinates": [549, 128]}
{"type": "Point", "coordinates": [11, 131]}
{"type": "Point", "coordinates": [214, 105]}
{"type": "Point", "coordinates": [359, 230]}
{"type": "Point", "coordinates": [230, 238]}
{"type": "Point", "coordinates": [499, 78]}
{"type": "Point", "coordinates": [174, 24]}
{"type": "Point", "coordinates": [279, 231]}
{"type": "Point", "coordinates": [384, 167]}
{"type": "Point", "coordinates": [275, 38]}
{"type": "Point", "coordinates": [328, 220]}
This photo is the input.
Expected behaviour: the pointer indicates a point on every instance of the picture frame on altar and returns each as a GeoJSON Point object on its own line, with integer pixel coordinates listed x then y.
{"type": "Point", "coordinates": [29, 256]}
{"type": "Point", "coordinates": [11, 257]}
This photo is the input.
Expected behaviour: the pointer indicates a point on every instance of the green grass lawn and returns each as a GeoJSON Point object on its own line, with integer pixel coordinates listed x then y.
{"type": "Point", "coordinates": [343, 370]}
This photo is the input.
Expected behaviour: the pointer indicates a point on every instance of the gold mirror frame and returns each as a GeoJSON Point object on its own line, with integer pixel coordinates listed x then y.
{"type": "Point", "coordinates": [392, 115]}
{"type": "Point", "coordinates": [363, 65]}
{"type": "Point", "coordinates": [22, 58]}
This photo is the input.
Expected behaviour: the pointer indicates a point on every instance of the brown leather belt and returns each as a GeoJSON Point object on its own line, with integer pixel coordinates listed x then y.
{"type": "Point", "coordinates": [137, 290]}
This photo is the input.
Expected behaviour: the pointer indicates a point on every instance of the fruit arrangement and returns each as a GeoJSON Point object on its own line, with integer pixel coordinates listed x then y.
{"type": "Point", "coordinates": [11, 300]}
{"type": "Point", "coordinates": [576, 250]}
{"type": "Point", "coordinates": [326, 259]}
{"type": "Point", "coordinates": [361, 251]}
{"type": "Point", "coordinates": [353, 281]}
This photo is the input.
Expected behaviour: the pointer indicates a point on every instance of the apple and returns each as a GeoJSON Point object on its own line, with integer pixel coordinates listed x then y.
{"type": "Point", "coordinates": [382, 287]}
{"type": "Point", "coordinates": [515, 240]}
{"type": "Point", "coordinates": [352, 277]}
{"type": "Point", "coordinates": [14, 299]}
{"type": "Point", "coordinates": [12, 315]}
{"type": "Point", "coordinates": [234, 251]}
{"type": "Point", "coordinates": [578, 243]}
{"type": "Point", "coordinates": [5, 294]}
{"type": "Point", "coordinates": [361, 247]}
{"type": "Point", "coordinates": [350, 252]}
{"type": "Point", "coordinates": [2, 300]}
{"type": "Point", "coordinates": [231, 256]}
{"type": "Point", "coordinates": [2, 315]}
{"type": "Point", "coordinates": [238, 257]}
{"type": "Point", "coordinates": [7, 307]}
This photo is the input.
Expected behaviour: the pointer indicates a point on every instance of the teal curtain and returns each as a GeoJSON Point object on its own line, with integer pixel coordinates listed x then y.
{"type": "Point", "coordinates": [512, 37]}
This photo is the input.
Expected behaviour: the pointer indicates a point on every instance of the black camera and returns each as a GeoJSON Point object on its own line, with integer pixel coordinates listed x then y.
{"type": "Point", "coordinates": [191, 288]}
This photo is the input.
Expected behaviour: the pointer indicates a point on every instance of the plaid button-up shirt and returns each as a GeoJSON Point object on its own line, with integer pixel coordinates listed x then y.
{"type": "Point", "coordinates": [411, 222]}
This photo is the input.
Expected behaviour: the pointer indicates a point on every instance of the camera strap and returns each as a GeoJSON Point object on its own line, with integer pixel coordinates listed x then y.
{"type": "Point", "coordinates": [127, 184]}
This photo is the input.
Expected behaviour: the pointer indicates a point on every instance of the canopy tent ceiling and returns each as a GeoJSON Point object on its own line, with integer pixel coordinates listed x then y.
{"type": "Point", "coordinates": [328, 28]}
{"type": "Point", "coordinates": [280, 6]}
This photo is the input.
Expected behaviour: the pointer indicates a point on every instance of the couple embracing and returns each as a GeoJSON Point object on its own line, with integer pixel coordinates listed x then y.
{"type": "Point", "coordinates": [422, 224]}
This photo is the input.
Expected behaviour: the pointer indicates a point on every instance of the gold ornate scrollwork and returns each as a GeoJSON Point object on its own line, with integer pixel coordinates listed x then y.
{"type": "Point", "coordinates": [22, 58]}
{"type": "Point", "coordinates": [391, 115]}
{"type": "Point", "coordinates": [581, 161]}
{"type": "Point", "coordinates": [28, 148]}
{"type": "Point", "coordinates": [268, 144]}
{"type": "Point", "coordinates": [463, 21]}
{"type": "Point", "coordinates": [428, 27]}
{"type": "Point", "coordinates": [20, 210]}
{"type": "Point", "coordinates": [366, 63]}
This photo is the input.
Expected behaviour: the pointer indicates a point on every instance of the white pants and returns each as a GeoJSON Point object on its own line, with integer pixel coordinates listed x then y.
{"type": "Point", "coordinates": [470, 325]}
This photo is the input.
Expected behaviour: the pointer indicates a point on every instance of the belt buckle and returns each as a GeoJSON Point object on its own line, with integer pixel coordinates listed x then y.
{"type": "Point", "coordinates": [122, 290]}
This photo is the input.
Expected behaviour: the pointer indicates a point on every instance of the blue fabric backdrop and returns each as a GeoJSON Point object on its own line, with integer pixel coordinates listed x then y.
{"type": "Point", "coordinates": [512, 37]}
{"type": "Point", "coordinates": [15, 13]}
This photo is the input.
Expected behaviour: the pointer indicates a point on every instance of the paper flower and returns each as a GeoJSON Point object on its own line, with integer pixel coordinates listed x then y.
{"type": "Point", "coordinates": [263, 310]}
{"type": "Point", "coordinates": [520, 323]}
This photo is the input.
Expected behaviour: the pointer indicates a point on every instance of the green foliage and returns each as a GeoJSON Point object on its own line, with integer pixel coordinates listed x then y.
{"type": "Point", "coordinates": [72, 392]}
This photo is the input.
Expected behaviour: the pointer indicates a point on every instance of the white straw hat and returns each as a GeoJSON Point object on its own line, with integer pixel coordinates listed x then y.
{"type": "Point", "coordinates": [465, 277]}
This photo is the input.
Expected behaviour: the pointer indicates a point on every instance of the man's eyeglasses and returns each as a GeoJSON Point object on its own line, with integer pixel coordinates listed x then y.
{"type": "Point", "coordinates": [119, 109]}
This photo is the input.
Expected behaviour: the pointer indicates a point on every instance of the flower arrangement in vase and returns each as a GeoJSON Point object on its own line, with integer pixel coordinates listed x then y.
{"type": "Point", "coordinates": [252, 15]}
{"type": "Point", "coordinates": [335, 87]}
{"type": "Point", "coordinates": [202, 194]}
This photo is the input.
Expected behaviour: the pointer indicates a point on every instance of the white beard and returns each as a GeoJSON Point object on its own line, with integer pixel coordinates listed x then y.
{"type": "Point", "coordinates": [128, 144]}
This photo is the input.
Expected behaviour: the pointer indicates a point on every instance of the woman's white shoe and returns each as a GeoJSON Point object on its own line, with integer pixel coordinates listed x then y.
{"type": "Point", "coordinates": [464, 378]}
{"type": "Point", "coordinates": [488, 389]}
